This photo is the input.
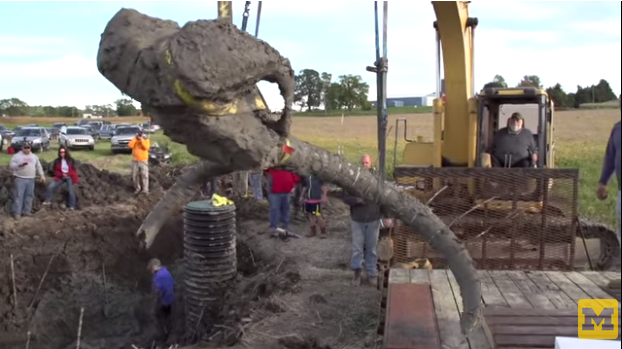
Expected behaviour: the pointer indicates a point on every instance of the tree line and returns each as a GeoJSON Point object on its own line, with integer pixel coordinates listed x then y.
{"type": "Point", "coordinates": [17, 107]}
{"type": "Point", "coordinates": [313, 90]}
{"type": "Point", "coordinates": [599, 93]}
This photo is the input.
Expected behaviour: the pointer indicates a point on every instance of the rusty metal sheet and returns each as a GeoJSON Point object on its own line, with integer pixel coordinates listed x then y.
{"type": "Point", "coordinates": [411, 318]}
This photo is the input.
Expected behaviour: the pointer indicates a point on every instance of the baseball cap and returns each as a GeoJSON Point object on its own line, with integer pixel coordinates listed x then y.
{"type": "Point", "coordinates": [517, 116]}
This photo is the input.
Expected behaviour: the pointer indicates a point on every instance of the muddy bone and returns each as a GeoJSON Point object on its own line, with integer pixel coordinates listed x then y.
{"type": "Point", "coordinates": [199, 83]}
{"type": "Point", "coordinates": [201, 75]}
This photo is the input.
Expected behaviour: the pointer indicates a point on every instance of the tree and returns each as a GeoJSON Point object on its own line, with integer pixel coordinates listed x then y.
{"type": "Point", "coordinates": [353, 91]}
{"type": "Point", "coordinates": [308, 88]}
{"type": "Point", "coordinates": [125, 107]}
{"type": "Point", "coordinates": [326, 84]}
{"type": "Point", "coordinates": [333, 96]}
{"type": "Point", "coordinates": [559, 96]}
{"type": "Point", "coordinates": [13, 107]}
{"type": "Point", "coordinates": [530, 81]}
{"type": "Point", "coordinates": [498, 81]}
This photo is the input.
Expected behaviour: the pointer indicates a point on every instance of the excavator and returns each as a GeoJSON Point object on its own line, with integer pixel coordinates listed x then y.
{"type": "Point", "coordinates": [508, 217]}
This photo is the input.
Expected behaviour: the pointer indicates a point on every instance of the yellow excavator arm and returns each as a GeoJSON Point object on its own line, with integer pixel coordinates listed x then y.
{"type": "Point", "coordinates": [458, 120]}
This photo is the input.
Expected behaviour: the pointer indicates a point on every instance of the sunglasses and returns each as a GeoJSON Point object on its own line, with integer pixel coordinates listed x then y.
{"type": "Point", "coordinates": [26, 148]}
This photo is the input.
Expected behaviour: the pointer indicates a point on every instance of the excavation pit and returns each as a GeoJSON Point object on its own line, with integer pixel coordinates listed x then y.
{"type": "Point", "coordinates": [118, 309]}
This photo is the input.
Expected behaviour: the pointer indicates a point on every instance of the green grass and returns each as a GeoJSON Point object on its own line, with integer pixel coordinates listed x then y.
{"type": "Point", "coordinates": [588, 158]}
{"type": "Point", "coordinates": [359, 112]}
{"type": "Point", "coordinates": [605, 105]}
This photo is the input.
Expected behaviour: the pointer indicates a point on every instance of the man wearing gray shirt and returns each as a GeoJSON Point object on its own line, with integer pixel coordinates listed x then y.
{"type": "Point", "coordinates": [26, 167]}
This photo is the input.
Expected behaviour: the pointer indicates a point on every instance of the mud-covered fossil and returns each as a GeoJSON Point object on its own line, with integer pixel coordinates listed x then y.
{"type": "Point", "coordinates": [199, 83]}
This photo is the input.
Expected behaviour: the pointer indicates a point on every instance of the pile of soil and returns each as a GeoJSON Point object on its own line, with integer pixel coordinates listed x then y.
{"type": "Point", "coordinates": [96, 187]}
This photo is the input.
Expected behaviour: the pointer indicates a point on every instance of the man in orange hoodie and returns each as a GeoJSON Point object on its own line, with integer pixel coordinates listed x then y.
{"type": "Point", "coordinates": [140, 162]}
{"type": "Point", "coordinates": [282, 184]}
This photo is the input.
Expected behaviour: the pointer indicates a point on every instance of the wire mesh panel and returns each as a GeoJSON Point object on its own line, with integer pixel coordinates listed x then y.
{"type": "Point", "coordinates": [508, 218]}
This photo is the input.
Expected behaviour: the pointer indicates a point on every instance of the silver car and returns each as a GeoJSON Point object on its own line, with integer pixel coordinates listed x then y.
{"type": "Point", "coordinates": [76, 137]}
{"type": "Point", "coordinates": [38, 136]}
{"type": "Point", "coordinates": [122, 136]}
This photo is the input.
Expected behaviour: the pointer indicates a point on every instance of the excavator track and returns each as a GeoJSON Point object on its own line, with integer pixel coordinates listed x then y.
{"type": "Point", "coordinates": [609, 245]}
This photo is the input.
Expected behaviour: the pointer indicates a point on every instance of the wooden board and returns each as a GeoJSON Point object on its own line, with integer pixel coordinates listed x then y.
{"type": "Point", "coordinates": [410, 315]}
{"type": "Point", "coordinates": [543, 305]}
{"type": "Point", "coordinates": [553, 297]}
{"type": "Point", "coordinates": [530, 328]}
{"type": "Point", "coordinates": [603, 280]}
{"type": "Point", "coordinates": [447, 313]}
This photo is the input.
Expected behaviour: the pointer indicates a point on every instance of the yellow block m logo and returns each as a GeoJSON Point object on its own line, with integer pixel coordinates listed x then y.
{"type": "Point", "coordinates": [598, 319]}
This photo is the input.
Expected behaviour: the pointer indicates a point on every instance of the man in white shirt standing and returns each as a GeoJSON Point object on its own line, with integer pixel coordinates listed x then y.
{"type": "Point", "coordinates": [26, 167]}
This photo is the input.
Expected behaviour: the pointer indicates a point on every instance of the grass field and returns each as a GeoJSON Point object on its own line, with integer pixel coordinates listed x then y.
{"type": "Point", "coordinates": [605, 105]}
{"type": "Point", "coordinates": [580, 138]}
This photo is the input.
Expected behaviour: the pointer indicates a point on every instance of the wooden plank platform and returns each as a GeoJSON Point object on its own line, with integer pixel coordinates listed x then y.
{"type": "Point", "coordinates": [541, 298]}
{"type": "Point", "coordinates": [410, 317]}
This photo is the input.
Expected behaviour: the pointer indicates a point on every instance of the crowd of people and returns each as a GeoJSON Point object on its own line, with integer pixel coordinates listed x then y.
{"type": "Point", "coordinates": [27, 170]}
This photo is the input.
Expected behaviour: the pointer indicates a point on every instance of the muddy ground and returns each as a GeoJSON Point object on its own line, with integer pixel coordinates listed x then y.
{"type": "Point", "coordinates": [292, 294]}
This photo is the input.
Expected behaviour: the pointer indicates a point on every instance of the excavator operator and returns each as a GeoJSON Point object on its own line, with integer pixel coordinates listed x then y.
{"type": "Point", "coordinates": [514, 145]}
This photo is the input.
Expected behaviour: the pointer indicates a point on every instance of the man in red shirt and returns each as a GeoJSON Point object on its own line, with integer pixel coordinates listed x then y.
{"type": "Point", "coordinates": [281, 185]}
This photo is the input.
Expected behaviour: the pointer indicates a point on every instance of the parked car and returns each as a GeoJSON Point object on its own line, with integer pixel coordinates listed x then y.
{"type": "Point", "coordinates": [106, 132]}
{"type": "Point", "coordinates": [123, 136]}
{"type": "Point", "coordinates": [53, 132]}
{"type": "Point", "coordinates": [5, 134]}
{"type": "Point", "coordinates": [159, 154]}
{"type": "Point", "coordinates": [58, 125]}
{"type": "Point", "coordinates": [92, 131]}
{"type": "Point", "coordinates": [150, 128]}
{"type": "Point", "coordinates": [82, 122]}
{"type": "Point", "coordinates": [37, 135]}
{"type": "Point", "coordinates": [75, 137]}
{"type": "Point", "coordinates": [1, 142]}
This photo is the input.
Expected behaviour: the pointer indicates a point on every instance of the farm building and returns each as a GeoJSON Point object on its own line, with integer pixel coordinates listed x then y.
{"type": "Point", "coordinates": [409, 101]}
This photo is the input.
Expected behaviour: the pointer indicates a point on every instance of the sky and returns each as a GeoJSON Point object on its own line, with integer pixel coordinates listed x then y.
{"type": "Point", "coordinates": [48, 49]}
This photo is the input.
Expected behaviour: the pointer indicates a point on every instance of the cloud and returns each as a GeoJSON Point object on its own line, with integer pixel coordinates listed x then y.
{"type": "Point", "coordinates": [66, 67]}
{"type": "Point", "coordinates": [607, 27]}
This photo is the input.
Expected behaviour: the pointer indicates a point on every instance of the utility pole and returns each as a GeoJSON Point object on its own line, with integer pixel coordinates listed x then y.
{"type": "Point", "coordinates": [381, 69]}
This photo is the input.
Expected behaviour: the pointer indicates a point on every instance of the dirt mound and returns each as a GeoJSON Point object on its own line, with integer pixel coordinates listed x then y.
{"type": "Point", "coordinates": [96, 187]}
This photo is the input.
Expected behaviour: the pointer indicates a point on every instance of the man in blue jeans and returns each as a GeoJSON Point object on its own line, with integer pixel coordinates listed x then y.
{"type": "Point", "coordinates": [282, 184]}
{"type": "Point", "coordinates": [365, 218]}
{"type": "Point", "coordinates": [256, 177]}
{"type": "Point", "coordinates": [611, 165]}
{"type": "Point", "coordinates": [26, 167]}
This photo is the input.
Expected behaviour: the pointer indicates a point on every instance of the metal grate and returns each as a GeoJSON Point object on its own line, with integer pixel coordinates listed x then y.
{"type": "Point", "coordinates": [508, 218]}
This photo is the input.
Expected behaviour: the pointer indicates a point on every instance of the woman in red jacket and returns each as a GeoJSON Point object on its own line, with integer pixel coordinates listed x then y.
{"type": "Point", "coordinates": [64, 169]}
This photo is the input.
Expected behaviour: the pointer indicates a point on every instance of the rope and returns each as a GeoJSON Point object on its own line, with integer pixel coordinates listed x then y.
{"type": "Point", "coordinates": [246, 14]}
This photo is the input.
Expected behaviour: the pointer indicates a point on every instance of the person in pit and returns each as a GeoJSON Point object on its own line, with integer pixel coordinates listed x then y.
{"type": "Point", "coordinates": [163, 285]}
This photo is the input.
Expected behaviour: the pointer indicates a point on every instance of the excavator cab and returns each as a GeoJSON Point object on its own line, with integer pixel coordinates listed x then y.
{"type": "Point", "coordinates": [496, 105]}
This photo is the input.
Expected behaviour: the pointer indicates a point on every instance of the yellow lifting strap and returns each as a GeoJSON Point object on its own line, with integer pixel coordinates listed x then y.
{"type": "Point", "coordinates": [218, 201]}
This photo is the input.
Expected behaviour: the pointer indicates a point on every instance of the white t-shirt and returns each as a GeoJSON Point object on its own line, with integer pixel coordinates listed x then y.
{"type": "Point", "coordinates": [64, 167]}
